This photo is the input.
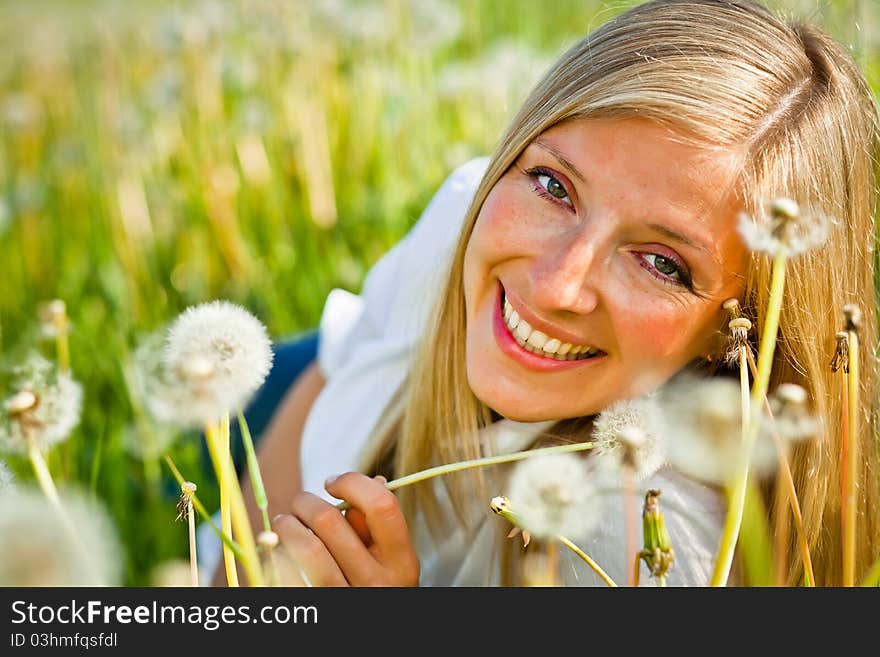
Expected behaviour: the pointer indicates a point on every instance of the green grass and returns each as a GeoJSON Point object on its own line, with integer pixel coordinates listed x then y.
{"type": "Point", "coordinates": [157, 155]}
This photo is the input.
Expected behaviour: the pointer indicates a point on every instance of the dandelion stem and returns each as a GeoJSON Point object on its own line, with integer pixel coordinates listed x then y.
{"type": "Point", "coordinates": [254, 471]}
{"type": "Point", "coordinates": [788, 481]}
{"type": "Point", "coordinates": [238, 511]}
{"type": "Point", "coordinates": [737, 494]}
{"type": "Point", "coordinates": [636, 570]}
{"type": "Point", "coordinates": [583, 555]}
{"type": "Point", "coordinates": [851, 465]}
{"type": "Point", "coordinates": [440, 470]}
{"type": "Point", "coordinates": [193, 556]}
{"type": "Point", "coordinates": [225, 538]}
{"type": "Point", "coordinates": [218, 456]}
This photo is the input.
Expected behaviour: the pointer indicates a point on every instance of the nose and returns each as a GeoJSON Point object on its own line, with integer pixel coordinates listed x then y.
{"type": "Point", "coordinates": [567, 277]}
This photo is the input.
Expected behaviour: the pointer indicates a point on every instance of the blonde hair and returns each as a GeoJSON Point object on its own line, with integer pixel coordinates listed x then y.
{"type": "Point", "coordinates": [721, 74]}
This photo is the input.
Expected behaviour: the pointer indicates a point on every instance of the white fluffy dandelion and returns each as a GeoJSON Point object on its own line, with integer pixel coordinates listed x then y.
{"type": "Point", "coordinates": [631, 431]}
{"type": "Point", "coordinates": [45, 406]}
{"type": "Point", "coordinates": [703, 422]}
{"type": "Point", "coordinates": [791, 417]}
{"type": "Point", "coordinates": [552, 496]}
{"type": "Point", "coordinates": [37, 549]}
{"type": "Point", "coordinates": [783, 226]}
{"type": "Point", "coordinates": [216, 356]}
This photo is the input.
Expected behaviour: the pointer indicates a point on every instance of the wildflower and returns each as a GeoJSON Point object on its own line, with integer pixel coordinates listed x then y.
{"type": "Point", "coordinates": [553, 496]}
{"type": "Point", "coordinates": [703, 421]}
{"type": "Point", "coordinates": [657, 553]}
{"type": "Point", "coordinates": [36, 549]}
{"type": "Point", "coordinates": [783, 227]}
{"type": "Point", "coordinates": [216, 356]}
{"type": "Point", "coordinates": [45, 407]}
{"type": "Point", "coordinates": [628, 431]}
{"type": "Point", "coordinates": [790, 414]}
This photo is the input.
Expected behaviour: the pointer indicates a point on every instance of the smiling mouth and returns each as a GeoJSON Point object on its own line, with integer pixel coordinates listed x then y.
{"type": "Point", "coordinates": [538, 342]}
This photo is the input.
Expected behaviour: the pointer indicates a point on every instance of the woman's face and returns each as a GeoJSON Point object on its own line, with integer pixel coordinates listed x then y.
{"type": "Point", "coordinates": [605, 237]}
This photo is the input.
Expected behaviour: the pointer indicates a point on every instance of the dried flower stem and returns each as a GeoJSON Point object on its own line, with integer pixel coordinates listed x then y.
{"type": "Point", "coordinates": [225, 538]}
{"type": "Point", "coordinates": [218, 456]}
{"type": "Point", "coordinates": [254, 471]}
{"type": "Point", "coordinates": [583, 555]}
{"type": "Point", "coordinates": [788, 481]}
{"type": "Point", "coordinates": [851, 463]}
{"type": "Point", "coordinates": [440, 470]}
{"type": "Point", "coordinates": [187, 489]}
{"type": "Point", "coordinates": [733, 522]}
{"type": "Point", "coordinates": [222, 460]}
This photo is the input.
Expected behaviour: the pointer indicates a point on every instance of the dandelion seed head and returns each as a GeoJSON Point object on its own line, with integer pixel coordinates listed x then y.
{"type": "Point", "coordinates": [791, 417]}
{"type": "Point", "coordinates": [36, 548]}
{"type": "Point", "coordinates": [552, 495]}
{"type": "Point", "coordinates": [853, 317]}
{"type": "Point", "coordinates": [782, 227]}
{"type": "Point", "coordinates": [216, 356]}
{"type": "Point", "coordinates": [629, 431]}
{"type": "Point", "coordinates": [702, 418]}
{"type": "Point", "coordinates": [47, 405]}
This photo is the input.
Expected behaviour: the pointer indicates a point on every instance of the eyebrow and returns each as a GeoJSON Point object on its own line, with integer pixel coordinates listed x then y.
{"type": "Point", "coordinates": [562, 159]}
{"type": "Point", "coordinates": [678, 237]}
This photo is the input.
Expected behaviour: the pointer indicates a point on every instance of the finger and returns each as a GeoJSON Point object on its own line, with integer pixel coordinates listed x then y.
{"type": "Point", "coordinates": [354, 559]}
{"type": "Point", "coordinates": [358, 522]}
{"type": "Point", "coordinates": [382, 513]}
{"type": "Point", "coordinates": [307, 550]}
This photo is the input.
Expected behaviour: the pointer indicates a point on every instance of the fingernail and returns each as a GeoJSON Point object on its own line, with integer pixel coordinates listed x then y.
{"type": "Point", "coordinates": [275, 519]}
{"type": "Point", "coordinates": [380, 478]}
{"type": "Point", "coordinates": [329, 481]}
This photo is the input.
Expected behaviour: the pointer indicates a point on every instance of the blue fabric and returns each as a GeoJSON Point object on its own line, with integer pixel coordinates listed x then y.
{"type": "Point", "coordinates": [292, 356]}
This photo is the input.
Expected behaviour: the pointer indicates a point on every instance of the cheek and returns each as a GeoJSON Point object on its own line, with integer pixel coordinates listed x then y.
{"type": "Point", "coordinates": [502, 225]}
{"type": "Point", "coordinates": [657, 334]}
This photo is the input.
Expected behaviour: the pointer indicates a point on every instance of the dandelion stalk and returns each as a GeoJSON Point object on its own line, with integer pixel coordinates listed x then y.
{"type": "Point", "coordinates": [737, 495]}
{"type": "Point", "coordinates": [852, 455]}
{"type": "Point", "coordinates": [788, 481]}
{"type": "Point", "coordinates": [186, 491]}
{"type": "Point", "coordinates": [501, 505]}
{"type": "Point", "coordinates": [237, 511]}
{"type": "Point", "coordinates": [197, 503]}
{"type": "Point", "coordinates": [449, 468]}
{"type": "Point", "coordinates": [254, 470]}
{"type": "Point", "coordinates": [218, 457]}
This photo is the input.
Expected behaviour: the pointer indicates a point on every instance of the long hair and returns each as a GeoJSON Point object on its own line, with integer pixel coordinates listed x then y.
{"type": "Point", "coordinates": [724, 74]}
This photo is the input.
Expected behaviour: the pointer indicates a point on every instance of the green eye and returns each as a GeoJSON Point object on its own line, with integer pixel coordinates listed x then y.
{"type": "Point", "coordinates": [553, 186]}
{"type": "Point", "coordinates": [665, 266]}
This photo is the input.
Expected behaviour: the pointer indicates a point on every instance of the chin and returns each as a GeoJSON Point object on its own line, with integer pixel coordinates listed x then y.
{"type": "Point", "coordinates": [518, 404]}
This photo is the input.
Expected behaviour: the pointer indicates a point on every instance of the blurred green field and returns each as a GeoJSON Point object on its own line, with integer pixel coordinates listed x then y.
{"type": "Point", "coordinates": [158, 155]}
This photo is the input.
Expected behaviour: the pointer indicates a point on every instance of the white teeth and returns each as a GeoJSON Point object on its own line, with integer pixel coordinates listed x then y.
{"type": "Point", "coordinates": [539, 342]}
{"type": "Point", "coordinates": [551, 345]}
{"type": "Point", "coordinates": [537, 339]}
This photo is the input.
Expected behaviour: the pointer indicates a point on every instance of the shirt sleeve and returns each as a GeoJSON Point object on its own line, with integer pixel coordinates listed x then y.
{"type": "Point", "coordinates": [393, 294]}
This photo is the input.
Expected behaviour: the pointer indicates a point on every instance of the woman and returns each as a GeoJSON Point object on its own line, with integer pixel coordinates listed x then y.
{"type": "Point", "coordinates": [606, 219]}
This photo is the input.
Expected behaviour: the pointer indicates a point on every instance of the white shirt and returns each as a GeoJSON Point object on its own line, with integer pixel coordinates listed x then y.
{"type": "Point", "coordinates": [365, 349]}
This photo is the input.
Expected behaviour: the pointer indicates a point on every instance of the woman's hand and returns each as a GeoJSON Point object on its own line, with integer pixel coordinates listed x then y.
{"type": "Point", "coordinates": [367, 546]}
